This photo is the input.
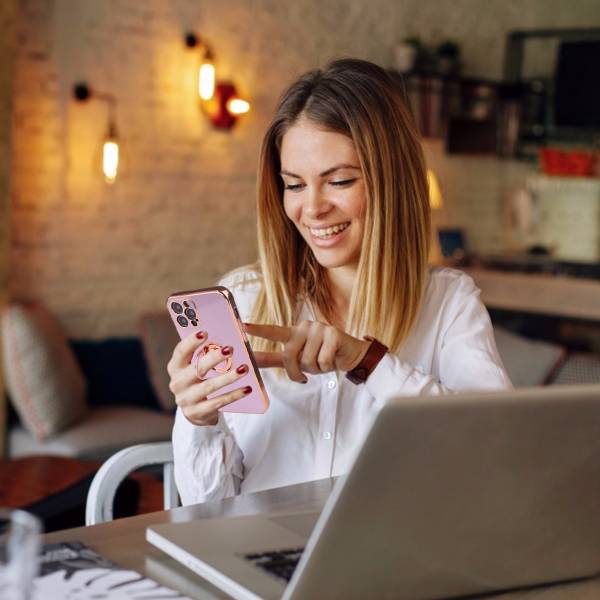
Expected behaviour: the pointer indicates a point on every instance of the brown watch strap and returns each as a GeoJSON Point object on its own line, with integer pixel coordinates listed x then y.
{"type": "Point", "coordinates": [370, 360]}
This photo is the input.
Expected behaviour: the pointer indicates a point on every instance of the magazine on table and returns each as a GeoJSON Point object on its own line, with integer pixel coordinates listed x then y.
{"type": "Point", "coordinates": [72, 570]}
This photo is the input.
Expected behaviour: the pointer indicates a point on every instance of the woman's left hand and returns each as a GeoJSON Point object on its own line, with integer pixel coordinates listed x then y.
{"type": "Point", "coordinates": [309, 347]}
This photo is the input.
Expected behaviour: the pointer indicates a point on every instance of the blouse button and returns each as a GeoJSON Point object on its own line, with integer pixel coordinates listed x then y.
{"type": "Point", "coordinates": [327, 435]}
{"type": "Point", "coordinates": [331, 384]}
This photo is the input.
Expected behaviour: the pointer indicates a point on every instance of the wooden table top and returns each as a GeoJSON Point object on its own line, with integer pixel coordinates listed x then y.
{"type": "Point", "coordinates": [29, 480]}
{"type": "Point", "coordinates": [123, 541]}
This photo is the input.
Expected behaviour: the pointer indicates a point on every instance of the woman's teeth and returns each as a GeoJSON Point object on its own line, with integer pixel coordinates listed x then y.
{"type": "Point", "coordinates": [329, 231]}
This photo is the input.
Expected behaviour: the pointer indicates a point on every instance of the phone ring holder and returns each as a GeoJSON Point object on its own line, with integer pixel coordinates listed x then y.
{"type": "Point", "coordinates": [203, 351]}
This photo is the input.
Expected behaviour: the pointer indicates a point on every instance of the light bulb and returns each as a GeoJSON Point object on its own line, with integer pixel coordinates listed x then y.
{"type": "Point", "coordinates": [237, 106]}
{"type": "Point", "coordinates": [435, 194]}
{"type": "Point", "coordinates": [206, 79]}
{"type": "Point", "coordinates": [110, 159]}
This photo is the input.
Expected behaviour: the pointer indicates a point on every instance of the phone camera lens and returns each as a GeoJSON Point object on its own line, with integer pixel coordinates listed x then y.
{"type": "Point", "coordinates": [190, 313]}
{"type": "Point", "coordinates": [195, 323]}
{"type": "Point", "coordinates": [176, 307]}
{"type": "Point", "coordinates": [182, 321]}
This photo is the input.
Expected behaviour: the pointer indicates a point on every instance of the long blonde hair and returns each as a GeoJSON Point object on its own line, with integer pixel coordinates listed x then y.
{"type": "Point", "coordinates": [363, 102]}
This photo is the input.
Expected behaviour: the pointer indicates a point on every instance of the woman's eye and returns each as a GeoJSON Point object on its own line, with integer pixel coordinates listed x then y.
{"type": "Point", "coordinates": [293, 187]}
{"type": "Point", "coordinates": [342, 182]}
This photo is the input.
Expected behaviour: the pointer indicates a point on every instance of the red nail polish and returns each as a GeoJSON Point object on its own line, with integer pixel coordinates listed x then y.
{"type": "Point", "coordinates": [226, 350]}
{"type": "Point", "coordinates": [242, 369]}
{"type": "Point", "coordinates": [201, 335]}
{"type": "Point", "coordinates": [247, 389]}
{"type": "Point", "coordinates": [305, 381]}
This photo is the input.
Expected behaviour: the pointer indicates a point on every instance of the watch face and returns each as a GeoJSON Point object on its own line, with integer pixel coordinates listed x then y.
{"type": "Point", "coordinates": [370, 360]}
{"type": "Point", "coordinates": [358, 375]}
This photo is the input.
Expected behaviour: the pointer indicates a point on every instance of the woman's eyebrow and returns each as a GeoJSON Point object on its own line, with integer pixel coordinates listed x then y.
{"type": "Point", "coordinates": [324, 173]}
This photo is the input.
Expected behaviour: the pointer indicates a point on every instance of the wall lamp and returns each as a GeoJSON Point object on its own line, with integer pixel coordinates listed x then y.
{"type": "Point", "coordinates": [219, 99]}
{"type": "Point", "coordinates": [110, 145]}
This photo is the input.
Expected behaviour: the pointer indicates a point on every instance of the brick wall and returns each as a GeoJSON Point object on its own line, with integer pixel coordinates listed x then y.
{"type": "Point", "coordinates": [182, 212]}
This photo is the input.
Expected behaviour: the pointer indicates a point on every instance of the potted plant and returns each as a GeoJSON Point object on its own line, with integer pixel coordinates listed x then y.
{"type": "Point", "coordinates": [406, 53]}
{"type": "Point", "coordinates": [448, 56]}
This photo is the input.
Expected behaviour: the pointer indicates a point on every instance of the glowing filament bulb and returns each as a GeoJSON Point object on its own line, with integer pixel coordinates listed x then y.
{"type": "Point", "coordinates": [237, 106]}
{"type": "Point", "coordinates": [206, 80]}
{"type": "Point", "coordinates": [435, 194]}
{"type": "Point", "coordinates": [110, 160]}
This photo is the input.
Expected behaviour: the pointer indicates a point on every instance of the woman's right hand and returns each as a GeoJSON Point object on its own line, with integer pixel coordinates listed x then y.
{"type": "Point", "coordinates": [191, 389]}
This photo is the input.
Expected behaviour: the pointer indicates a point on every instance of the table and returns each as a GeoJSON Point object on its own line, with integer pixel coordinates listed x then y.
{"type": "Point", "coordinates": [123, 541]}
{"type": "Point", "coordinates": [55, 488]}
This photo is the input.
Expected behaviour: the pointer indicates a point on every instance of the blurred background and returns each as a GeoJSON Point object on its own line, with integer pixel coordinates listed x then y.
{"type": "Point", "coordinates": [182, 211]}
{"type": "Point", "coordinates": [501, 92]}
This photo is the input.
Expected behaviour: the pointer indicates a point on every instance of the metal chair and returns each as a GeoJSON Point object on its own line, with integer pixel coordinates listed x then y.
{"type": "Point", "coordinates": [101, 495]}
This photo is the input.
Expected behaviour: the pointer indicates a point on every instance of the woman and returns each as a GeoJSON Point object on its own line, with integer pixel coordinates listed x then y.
{"type": "Point", "coordinates": [343, 236]}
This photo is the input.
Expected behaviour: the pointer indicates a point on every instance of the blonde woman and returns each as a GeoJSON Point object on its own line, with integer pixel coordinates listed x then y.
{"type": "Point", "coordinates": [342, 306]}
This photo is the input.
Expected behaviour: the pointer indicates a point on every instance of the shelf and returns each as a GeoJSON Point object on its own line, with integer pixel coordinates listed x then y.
{"type": "Point", "coordinates": [537, 293]}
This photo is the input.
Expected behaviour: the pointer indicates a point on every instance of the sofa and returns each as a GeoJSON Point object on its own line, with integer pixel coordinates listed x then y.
{"type": "Point", "coordinates": [83, 398]}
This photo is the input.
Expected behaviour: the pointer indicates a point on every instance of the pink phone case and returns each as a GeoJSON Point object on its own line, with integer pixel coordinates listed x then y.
{"type": "Point", "coordinates": [213, 310]}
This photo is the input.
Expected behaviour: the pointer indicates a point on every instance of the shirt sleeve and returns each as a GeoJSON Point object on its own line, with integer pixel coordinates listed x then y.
{"type": "Point", "coordinates": [467, 354]}
{"type": "Point", "coordinates": [208, 461]}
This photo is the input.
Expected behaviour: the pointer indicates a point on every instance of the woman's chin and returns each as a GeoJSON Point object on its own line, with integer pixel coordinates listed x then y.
{"type": "Point", "coordinates": [333, 260]}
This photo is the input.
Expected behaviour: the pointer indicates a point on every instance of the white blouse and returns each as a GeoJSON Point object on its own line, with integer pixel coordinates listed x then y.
{"type": "Point", "coordinates": [312, 430]}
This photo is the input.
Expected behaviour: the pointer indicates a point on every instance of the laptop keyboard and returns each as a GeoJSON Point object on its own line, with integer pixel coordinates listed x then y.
{"type": "Point", "coordinates": [281, 563]}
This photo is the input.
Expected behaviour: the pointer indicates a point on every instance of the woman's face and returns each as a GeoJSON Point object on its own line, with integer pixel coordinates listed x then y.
{"type": "Point", "coordinates": [324, 193]}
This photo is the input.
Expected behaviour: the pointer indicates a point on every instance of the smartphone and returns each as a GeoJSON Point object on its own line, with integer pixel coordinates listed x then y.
{"type": "Point", "coordinates": [213, 310]}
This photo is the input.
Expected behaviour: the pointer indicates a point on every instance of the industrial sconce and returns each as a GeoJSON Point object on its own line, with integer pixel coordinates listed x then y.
{"type": "Point", "coordinates": [219, 99]}
{"type": "Point", "coordinates": [110, 146]}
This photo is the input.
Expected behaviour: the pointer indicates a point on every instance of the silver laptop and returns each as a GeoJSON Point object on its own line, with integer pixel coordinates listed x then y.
{"type": "Point", "coordinates": [448, 496]}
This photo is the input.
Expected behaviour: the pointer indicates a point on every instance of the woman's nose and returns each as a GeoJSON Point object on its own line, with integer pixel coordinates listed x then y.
{"type": "Point", "coordinates": [316, 203]}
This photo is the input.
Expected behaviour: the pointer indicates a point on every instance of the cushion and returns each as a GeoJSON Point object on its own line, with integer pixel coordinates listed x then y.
{"type": "Point", "coordinates": [528, 362]}
{"type": "Point", "coordinates": [159, 338]}
{"type": "Point", "coordinates": [102, 433]}
{"type": "Point", "coordinates": [578, 368]}
{"type": "Point", "coordinates": [116, 372]}
{"type": "Point", "coordinates": [43, 380]}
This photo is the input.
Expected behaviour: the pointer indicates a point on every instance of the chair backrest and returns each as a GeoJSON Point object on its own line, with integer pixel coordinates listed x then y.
{"type": "Point", "coordinates": [101, 496]}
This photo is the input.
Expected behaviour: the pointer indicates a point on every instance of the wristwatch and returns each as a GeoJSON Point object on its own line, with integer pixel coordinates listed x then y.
{"type": "Point", "coordinates": [370, 360]}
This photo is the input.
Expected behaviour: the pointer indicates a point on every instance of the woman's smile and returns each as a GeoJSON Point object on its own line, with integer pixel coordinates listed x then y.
{"type": "Point", "coordinates": [325, 237]}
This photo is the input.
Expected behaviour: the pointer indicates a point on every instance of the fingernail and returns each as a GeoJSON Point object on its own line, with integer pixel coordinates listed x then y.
{"type": "Point", "coordinates": [201, 335]}
{"type": "Point", "coordinates": [226, 350]}
{"type": "Point", "coordinates": [242, 369]}
{"type": "Point", "coordinates": [247, 389]}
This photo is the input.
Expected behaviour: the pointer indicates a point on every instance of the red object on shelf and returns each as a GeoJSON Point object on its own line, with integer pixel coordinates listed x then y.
{"type": "Point", "coordinates": [568, 162]}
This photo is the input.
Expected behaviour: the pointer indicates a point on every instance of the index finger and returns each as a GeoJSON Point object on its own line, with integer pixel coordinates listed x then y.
{"type": "Point", "coordinates": [275, 333]}
{"type": "Point", "coordinates": [265, 360]}
{"type": "Point", "coordinates": [185, 349]}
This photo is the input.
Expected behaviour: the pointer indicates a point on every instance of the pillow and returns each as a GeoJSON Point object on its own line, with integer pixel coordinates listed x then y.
{"type": "Point", "coordinates": [159, 337]}
{"type": "Point", "coordinates": [43, 380]}
{"type": "Point", "coordinates": [116, 372]}
{"type": "Point", "coordinates": [578, 368]}
{"type": "Point", "coordinates": [527, 362]}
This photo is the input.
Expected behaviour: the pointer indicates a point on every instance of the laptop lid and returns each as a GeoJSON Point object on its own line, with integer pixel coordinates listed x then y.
{"type": "Point", "coordinates": [463, 494]}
